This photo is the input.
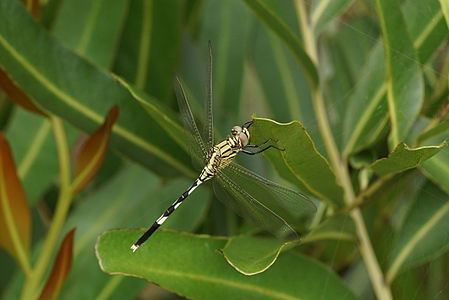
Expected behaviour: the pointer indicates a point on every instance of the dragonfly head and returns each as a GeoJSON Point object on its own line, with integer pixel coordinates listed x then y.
{"type": "Point", "coordinates": [241, 133]}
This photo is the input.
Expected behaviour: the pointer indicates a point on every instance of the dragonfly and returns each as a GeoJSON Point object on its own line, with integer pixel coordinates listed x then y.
{"type": "Point", "coordinates": [249, 194]}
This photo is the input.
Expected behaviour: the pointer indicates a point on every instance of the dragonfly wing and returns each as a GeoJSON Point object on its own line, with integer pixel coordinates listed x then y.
{"type": "Point", "coordinates": [248, 207]}
{"type": "Point", "coordinates": [196, 144]}
{"type": "Point", "coordinates": [209, 118]}
{"type": "Point", "coordinates": [280, 199]}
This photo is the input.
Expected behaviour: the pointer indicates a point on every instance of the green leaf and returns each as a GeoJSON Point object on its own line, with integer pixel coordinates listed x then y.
{"type": "Point", "coordinates": [300, 163]}
{"type": "Point", "coordinates": [405, 89]}
{"type": "Point", "coordinates": [252, 255]}
{"type": "Point", "coordinates": [445, 9]}
{"type": "Point", "coordinates": [46, 71]}
{"type": "Point", "coordinates": [437, 170]}
{"type": "Point", "coordinates": [134, 197]}
{"type": "Point", "coordinates": [424, 233]}
{"type": "Point", "coordinates": [323, 11]}
{"type": "Point", "coordinates": [150, 45]}
{"type": "Point", "coordinates": [336, 227]}
{"type": "Point", "coordinates": [442, 128]}
{"type": "Point", "coordinates": [190, 266]}
{"type": "Point", "coordinates": [367, 112]}
{"type": "Point", "coordinates": [278, 26]}
{"type": "Point", "coordinates": [403, 158]}
{"type": "Point", "coordinates": [283, 83]}
{"type": "Point", "coordinates": [226, 24]}
{"type": "Point", "coordinates": [97, 31]}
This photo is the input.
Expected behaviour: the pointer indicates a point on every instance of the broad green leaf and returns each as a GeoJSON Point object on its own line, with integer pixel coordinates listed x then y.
{"type": "Point", "coordinates": [278, 26]}
{"type": "Point", "coordinates": [424, 233]}
{"type": "Point", "coordinates": [403, 158]}
{"type": "Point", "coordinates": [132, 198]}
{"type": "Point", "coordinates": [367, 112]}
{"type": "Point", "coordinates": [61, 268]}
{"type": "Point", "coordinates": [300, 163]}
{"type": "Point", "coordinates": [92, 152]}
{"type": "Point", "coordinates": [252, 255]}
{"type": "Point", "coordinates": [35, 152]}
{"type": "Point", "coordinates": [46, 70]}
{"type": "Point", "coordinates": [323, 11]}
{"type": "Point", "coordinates": [150, 44]}
{"type": "Point", "coordinates": [190, 266]}
{"type": "Point", "coordinates": [15, 214]}
{"type": "Point", "coordinates": [336, 227]}
{"type": "Point", "coordinates": [405, 88]}
{"type": "Point", "coordinates": [97, 30]}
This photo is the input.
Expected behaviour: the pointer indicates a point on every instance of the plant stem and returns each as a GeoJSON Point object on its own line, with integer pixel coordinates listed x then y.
{"type": "Point", "coordinates": [32, 285]}
{"type": "Point", "coordinates": [340, 167]}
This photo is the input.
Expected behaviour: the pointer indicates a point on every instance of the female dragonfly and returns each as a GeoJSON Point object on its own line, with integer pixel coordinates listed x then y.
{"type": "Point", "coordinates": [249, 194]}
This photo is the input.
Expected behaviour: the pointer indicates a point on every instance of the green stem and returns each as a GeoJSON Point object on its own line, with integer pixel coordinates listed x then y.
{"type": "Point", "coordinates": [340, 167]}
{"type": "Point", "coordinates": [32, 285]}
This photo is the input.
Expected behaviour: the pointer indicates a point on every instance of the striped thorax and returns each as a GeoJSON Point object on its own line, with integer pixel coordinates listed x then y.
{"type": "Point", "coordinates": [220, 155]}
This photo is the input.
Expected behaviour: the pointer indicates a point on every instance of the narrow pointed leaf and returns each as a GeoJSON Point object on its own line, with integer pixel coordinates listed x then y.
{"type": "Point", "coordinates": [367, 113]}
{"type": "Point", "coordinates": [424, 234]}
{"type": "Point", "coordinates": [278, 26]}
{"type": "Point", "coordinates": [92, 152]}
{"type": "Point", "coordinates": [150, 45]}
{"type": "Point", "coordinates": [15, 216]}
{"type": "Point", "coordinates": [16, 95]}
{"type": "Point", "coordinates": [437, 170]}
{"type": "Point", "coordinates": [252, 255]}
{"type": "Point", "coordinates": [196, 270]}
{"type": "Point", "coordinates": [442, 128]}
{"type": "Point", "coordinates": [79, 92]}
{"type": "Point", "coordinates": [403, 158]}
{"type": "Point", "coordinates": [445, 9]}
{"type": "Point", "coordinates": [61, 268]}
{"type": "Point", "coordinates": [34, 152]}
{"type": "Point", "coordinates": [97, 31]}
{"type": "Point", "coordinates": [323, 11]}
{"type": "Point", "coordinates": [405, 89]}
{"type": "Point", "coordinates": [300, 163]}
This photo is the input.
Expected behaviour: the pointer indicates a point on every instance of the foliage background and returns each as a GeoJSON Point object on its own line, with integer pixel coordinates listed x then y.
{"type": "Point", "coordinates": [376, 71]}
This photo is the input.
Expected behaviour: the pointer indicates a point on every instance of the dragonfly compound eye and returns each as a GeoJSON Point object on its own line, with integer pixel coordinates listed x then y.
{"type": "Point", "coordinates": [236, 130]}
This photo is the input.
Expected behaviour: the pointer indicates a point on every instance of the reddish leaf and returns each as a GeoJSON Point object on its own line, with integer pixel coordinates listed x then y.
{"type": "Point", "coordinates": [92, 152]}
{"type": "Point", "coordinates": [16, 95]}
{"type": "Point", "coordinates": [33, 7]}
{"type": "Point", "coordinates": [61, 268]}
{"type": "Point", "coordinates": [15, 217]}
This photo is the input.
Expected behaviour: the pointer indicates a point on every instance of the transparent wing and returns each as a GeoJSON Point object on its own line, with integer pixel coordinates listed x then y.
{"type": "Point", "coordinates": [195, 142]}
{"type": "Point", "coordinates": [283, 203]}
{"type": "Point", "coordinates": [248, 207]}
{"type": "Point", "coordinates": [209, 118]}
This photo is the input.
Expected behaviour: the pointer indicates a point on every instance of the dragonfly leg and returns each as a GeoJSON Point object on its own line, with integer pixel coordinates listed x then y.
{"type": "Point", "coordinates": [261, 150]}
{"type": "Point", "coordinates": [248, 124]}
{"type": "Point", "coordinates": [261, 144]}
